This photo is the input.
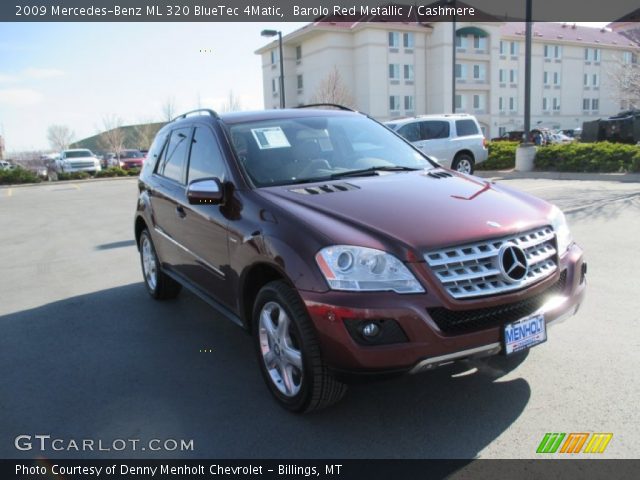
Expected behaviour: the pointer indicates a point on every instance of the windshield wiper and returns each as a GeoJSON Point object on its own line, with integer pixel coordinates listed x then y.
{"type": "Point", "coordinates": [373, 171]}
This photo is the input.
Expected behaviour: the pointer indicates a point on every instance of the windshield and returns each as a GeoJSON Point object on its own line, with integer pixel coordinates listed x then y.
{"type": "Point", "coordinates": [131, 155]}
{"type": "Point", "coordinates": [307, 149]}
{"type": "Point", "coordinates": [78, 154]}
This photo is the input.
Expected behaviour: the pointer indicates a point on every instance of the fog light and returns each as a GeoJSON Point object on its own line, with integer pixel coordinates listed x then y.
{"type": "Point", "coordinates": [370, 330]}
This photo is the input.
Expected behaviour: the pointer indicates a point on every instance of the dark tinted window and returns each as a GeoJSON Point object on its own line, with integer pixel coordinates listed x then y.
{"type": "Point", "coordinates": [410, 131]}
{"type": "Point", "coordinates": [466, 127]}
{"type": "Point", "coordinates": [206, 159]}
{"type": "Point", "coordinates": [432, 129]}
{"type": "Point", "coordinates": [175, 154]}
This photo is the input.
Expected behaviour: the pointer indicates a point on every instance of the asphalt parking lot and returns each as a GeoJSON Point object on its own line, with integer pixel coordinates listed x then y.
{"type": "Point", "coordinates": [86, 354]}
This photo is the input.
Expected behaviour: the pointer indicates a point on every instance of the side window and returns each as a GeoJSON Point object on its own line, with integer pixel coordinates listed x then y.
{"type": "Point", "coordinates": [466, 128]}
{"type": "Point", "coordinates": [410, 131]}
{"type": "Point", "coordinates": [174, 156]}
{"type": "Point", "coordinates": [433, 129]}
{"type": "Point", "coordinates": [206, 158]}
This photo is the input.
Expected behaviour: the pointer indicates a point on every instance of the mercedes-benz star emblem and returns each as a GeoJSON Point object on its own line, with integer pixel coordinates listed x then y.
{"type": "Point", "coordinates": [512, 263]}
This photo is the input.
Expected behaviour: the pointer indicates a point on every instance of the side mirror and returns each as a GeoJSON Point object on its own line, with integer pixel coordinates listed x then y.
{"type": "Point", "coordinates": [205, 191]}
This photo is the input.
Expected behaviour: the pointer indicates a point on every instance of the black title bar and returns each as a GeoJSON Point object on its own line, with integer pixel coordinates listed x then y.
{"type": "Point", "coordinates": [310, 10]}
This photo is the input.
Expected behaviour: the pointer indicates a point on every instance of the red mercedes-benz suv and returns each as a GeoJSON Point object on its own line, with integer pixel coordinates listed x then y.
{"type": "Point", "coordinates": [344, 250]}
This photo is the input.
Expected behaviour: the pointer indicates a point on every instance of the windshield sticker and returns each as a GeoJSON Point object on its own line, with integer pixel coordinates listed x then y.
{"type": "Point", "coordinates": [270, 137]}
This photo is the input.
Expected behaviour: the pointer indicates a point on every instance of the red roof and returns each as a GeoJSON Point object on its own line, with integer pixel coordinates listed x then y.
{"type": "Point", "coordinates": [569, 32]}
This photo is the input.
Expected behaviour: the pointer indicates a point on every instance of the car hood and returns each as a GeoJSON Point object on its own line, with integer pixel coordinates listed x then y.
{"type": "Point", "coordinates": [414, 210]}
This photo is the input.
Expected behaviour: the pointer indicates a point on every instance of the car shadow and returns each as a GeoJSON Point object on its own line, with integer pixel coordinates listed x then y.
{"type": "Point", "coordinates": [115, 364]}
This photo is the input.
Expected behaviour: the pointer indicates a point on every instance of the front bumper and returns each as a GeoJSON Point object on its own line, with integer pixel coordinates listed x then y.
{"type": "Point", "coordinates": [427, 345]}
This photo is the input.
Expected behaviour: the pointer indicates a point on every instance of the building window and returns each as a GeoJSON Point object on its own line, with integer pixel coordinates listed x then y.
{"type": "Point", "coordinates": [595, 80]}
{"type": "Point", "coordinates": [479, 72]}
{"type": "Point", "coordinates": [503, 47]}
{"type": "Point", "coordinates": [629, 58]}
{"type": "Point", "coordinates": [556, 104]}
{"type": "Point", "coordinates": [545, 78]}
{"type": "Point", "coordinates": [556, 78]}
{"type": "Point", "coordinates": [592, 54]}
{"type": "Point", "coordinates": [585, 103]}
{"type": "Point", "coordinates": [461, 71]}
{"type": "Point", "coordinates": [461, 41]}
{"type": "Point", "coordinates": [502, 131]}
{"type": "Point", "coordinates": [394, 103]}
{"type": "Point", "coordinates": [274, 86]}
{"type": "Point", "coordinates": [299, 52]}
{"type": "Point", "coordinates": [513, 76]}
{"type": "Point", "coordinates": [408, 72]}
{"type": "Point", "coordinates": [513, 48]}
{"type": "Point", "coordinates": [595, 104]}
{"type": "Point", "coordinates": [553, 51]}
{"type": "Point", "coordinates": [394, 71]}
{"type": "Point", "coordinates": [501, 104]}
{"type": "Point", "coordinates": [513, 106]}
{"type": "Point", "coordinates": [408, 103]}
{"type": "Point", "coordinates": [275, 57]}
{"type": "Point", "coordinates": [407, 40]}
{"type": "Point", "coordinates": [459, 103]}
{"type": "Point", "coordinates": [502, 75]}
{"type": "Point", "coordinates": [545, 104]}
{"type": "Point", "coordinates": [585, 80]}
{"type": "Point", "coordinates": [394, 39]}
{"type": "Point", "coordinates": [300, 83]}
{"type": "Point", "coordinates": [479, 43]}
{"type": "Point", "coordinates": [478, 102]}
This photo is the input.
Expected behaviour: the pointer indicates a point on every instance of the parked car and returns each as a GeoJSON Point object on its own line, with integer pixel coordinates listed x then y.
{"type": "Point", "coordinates": [77, 160]}
{"type": "Point", "coordinates": [456, 141]}
{"type": "Point", "coordinates": [345, 251]}
{"type": "Point", "coordinates": [559, 138]}
{"type": "Point", "coordinates": [131, 159]}
{"type": "Point", "coordinates": [4, 165]}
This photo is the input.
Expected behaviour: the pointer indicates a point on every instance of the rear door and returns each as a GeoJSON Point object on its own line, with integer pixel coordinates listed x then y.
{"type": "Point", "coordinates": [435, 140]}
{"type": "Point", "coordinates": [168, 196]}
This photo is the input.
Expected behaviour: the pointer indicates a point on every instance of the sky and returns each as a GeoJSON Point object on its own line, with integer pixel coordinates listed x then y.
{"type": "Point", "coordinates": [77, 74]}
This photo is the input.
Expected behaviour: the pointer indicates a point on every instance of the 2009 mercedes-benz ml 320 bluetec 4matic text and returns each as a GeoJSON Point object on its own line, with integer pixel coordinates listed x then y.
{"type": "Point", "coordinates": [344, 250]}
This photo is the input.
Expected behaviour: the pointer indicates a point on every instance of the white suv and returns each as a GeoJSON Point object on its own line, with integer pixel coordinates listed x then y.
{"type": "Point", "coordinates": [455, 140]}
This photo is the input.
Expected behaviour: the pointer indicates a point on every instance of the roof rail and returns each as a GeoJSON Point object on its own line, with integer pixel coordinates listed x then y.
{"type": "Point", "coordinates": [199, 110]}
{"type": "Point", "coordinates": [335, 105]}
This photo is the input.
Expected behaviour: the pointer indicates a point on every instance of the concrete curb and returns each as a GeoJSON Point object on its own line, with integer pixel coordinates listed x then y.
{"type": "Point", "coordinates": [66, 182]}
{"type": "Point", "coordinates": [513, 175]}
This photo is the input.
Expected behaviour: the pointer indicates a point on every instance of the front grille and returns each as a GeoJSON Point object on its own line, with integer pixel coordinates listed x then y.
{"type": "Point", "coordinates": [82, 164]}
{"type": "Point", "coordinates": [472, 270]}
{"type": "Point", "coordinates": [462, 321]}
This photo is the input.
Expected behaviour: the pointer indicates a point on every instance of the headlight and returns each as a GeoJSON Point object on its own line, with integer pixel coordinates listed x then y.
{"type": "Point", "coordinates": [364, 269]}
{"type": "Point", "coordinates": [559, 224]}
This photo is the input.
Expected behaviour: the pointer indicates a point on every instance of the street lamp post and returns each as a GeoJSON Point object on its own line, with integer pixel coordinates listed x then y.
{"type": "Point", "coordinates": [273, 33]}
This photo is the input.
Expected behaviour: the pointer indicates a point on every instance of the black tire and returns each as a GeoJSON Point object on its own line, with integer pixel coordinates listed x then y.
{"type": "Point", "coordinates": [164, 287]}
{"type": "Point", "coordinates": [463, 163]}
{"type": "Point", "coordinates": [317, 387]}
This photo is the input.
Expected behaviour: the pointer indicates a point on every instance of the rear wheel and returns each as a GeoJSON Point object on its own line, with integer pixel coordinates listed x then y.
{"type": "Point", "coordinates": [463, 163]}
{"type": "Point", "coordinates": [289, 353]}
{"type": "Point", "coordinates": [159, 285]}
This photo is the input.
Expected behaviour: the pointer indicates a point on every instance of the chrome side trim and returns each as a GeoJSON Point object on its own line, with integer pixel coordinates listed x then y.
{"type": "Point", "coordinates": [433, 362]}
{"type": "Point", "coordinates": [197, 257]}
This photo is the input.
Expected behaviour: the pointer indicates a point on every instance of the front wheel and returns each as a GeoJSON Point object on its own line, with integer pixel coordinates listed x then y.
{"type": "Point", "coordinates": [463, 163]}
{"type": "Point", "coordinates": [289, 353]}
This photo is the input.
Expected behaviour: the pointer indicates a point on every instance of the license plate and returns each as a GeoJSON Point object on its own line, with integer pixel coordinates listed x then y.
{"type": "Point", "coordinates": [525, 333]}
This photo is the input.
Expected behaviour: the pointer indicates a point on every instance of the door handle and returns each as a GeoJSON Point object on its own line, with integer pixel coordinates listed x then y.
{"type": "Point", "coordinates": [181, 213]}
